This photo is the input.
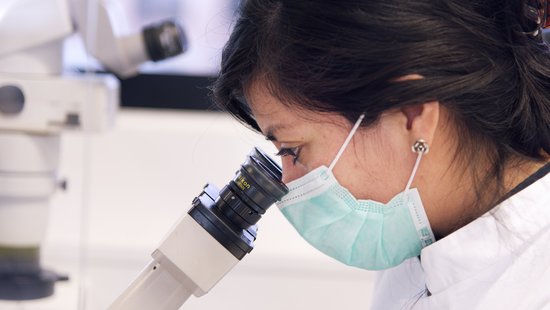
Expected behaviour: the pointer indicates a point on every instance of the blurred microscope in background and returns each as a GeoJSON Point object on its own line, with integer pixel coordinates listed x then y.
{"type": "Point", "coordinates": [38, 101]}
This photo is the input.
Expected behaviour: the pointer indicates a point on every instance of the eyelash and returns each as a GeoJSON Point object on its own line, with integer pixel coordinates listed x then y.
{"type": "Point", "coordinates": [293, 151]}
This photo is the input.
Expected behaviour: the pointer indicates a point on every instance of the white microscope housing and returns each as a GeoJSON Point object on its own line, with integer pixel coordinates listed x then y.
{"type": "Point", "coordinates": [206, 243]}
{"type": "Point", "coordinates": [38, 101]}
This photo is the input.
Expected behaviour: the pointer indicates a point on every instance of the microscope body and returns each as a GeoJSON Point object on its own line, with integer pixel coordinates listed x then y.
{"type": "Point", "coordinates": [201, 248]}
{"type": "Point", "coordinates": [207, 242]}
{"type": "Point", "coordinates": [38, 101]}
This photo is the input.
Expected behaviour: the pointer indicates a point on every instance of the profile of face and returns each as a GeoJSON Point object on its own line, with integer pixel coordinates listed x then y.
{"type": "Point", "coordinates": [375, 165]}
{"type": "Point", "coordinates": [483, 139]}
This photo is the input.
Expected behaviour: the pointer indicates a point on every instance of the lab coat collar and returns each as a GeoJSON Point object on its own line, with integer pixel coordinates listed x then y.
{"type": "Point", "coordinates": [490, 241]}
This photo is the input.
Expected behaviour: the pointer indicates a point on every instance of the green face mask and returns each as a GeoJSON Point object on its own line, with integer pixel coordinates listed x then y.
{"type": "Point", "coordinates": [361, 233]}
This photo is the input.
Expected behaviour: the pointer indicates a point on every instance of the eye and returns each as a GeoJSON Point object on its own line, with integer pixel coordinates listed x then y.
{"type": "Point", "coordinates": [292, 151]}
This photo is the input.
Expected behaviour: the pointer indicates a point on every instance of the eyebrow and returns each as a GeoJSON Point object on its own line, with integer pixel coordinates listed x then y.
{"type": "Point", "coordinates": [270, 136]}
{"type": "Point", "coordinates": [270, 132]}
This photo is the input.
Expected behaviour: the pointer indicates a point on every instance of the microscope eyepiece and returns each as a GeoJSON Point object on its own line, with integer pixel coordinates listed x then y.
{"type": "Point", "coordinates": [255, 187]}
{"type": "Point", "coordinates": [164, 40]}
{"type": "Point", "coordinates": [230, 215]}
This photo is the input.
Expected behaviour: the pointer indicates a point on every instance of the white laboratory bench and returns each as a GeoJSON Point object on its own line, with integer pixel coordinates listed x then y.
{"type": "Point", "coordinates": [128, 186]}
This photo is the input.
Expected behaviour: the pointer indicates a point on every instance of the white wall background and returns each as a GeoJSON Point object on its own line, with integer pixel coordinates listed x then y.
{"type": "Point", "coordinates": [127, 187]}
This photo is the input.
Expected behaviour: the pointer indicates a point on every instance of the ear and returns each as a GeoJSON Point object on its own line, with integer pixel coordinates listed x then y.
{"type": "Point", "coordinates": [422, 120]}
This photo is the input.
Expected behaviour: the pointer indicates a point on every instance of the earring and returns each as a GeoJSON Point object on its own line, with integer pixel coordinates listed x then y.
{"type": "Point", "coordinates": [421, 146]}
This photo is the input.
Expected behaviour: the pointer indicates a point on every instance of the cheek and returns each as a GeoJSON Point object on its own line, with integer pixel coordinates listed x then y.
{"type": "Point", "coordinates": [292, 171]}
{"type": "Point", "coordinates": [377, 169]}
{"type": "Point", "coordinates": [371, 179]}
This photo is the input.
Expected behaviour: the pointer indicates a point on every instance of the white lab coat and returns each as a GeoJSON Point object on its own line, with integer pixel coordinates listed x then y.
{"type": "Point", "coordinates": [499, 261]}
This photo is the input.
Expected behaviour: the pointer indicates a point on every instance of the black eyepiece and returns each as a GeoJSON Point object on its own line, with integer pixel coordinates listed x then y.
{"type": "Point", "coordinates": [255, 187]}
{"type": "Point", "coordinates": [164, 40]}
{"type": "Point", "coordinates": [230, 215]}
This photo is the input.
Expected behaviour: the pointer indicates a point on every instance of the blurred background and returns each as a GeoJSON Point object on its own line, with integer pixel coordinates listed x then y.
{"type": "Point", "coordinates": [128, 185]}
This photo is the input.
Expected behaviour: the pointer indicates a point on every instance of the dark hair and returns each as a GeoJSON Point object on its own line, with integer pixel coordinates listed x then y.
{"type": "Point", "coordinates": [346, 56]}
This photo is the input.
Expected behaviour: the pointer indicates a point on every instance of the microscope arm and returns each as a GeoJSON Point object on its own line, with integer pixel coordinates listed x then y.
{"type": "Point", "coordinates": [115, 46]}
{"type": "Point", "coordinates": [31, 62]}
{"type": "Point", "coordinates": [103, 29]}
{"type": "Point", "coordinates": [188, 261]}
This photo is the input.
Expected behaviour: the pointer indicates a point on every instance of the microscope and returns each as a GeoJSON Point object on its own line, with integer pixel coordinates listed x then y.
{"type": "Point", "coordinates": [206, 243]}
{"type": "Point", "coordinates": [38, 101]}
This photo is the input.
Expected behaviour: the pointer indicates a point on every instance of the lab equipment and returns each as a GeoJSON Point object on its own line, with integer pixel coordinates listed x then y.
{"type": "Point", "coordinates": [38, 101]}
{"type": "Point", "coordinates": [205, 244]}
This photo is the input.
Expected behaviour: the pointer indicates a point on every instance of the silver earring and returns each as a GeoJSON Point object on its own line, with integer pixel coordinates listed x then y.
{"type": "Point", "coordinates": [421, 146]}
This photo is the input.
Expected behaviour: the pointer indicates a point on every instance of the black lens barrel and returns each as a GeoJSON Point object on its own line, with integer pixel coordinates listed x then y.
{"type": "Point", "coordinates": [230, 215]}
{"type": "Point", "coordinates": [255, 187]}
{"type": "Point", "coordinates": [164, 40]}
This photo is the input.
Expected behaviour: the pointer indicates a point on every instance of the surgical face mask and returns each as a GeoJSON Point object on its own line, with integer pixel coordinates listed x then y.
{"type": "Point", "coordinates": [361, 233]}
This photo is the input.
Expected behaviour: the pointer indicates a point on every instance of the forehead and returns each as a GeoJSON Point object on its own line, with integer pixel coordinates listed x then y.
{"type": "Point", "coordinates": [263, 103]}
{"type": "Point", "coordinates": [272, 114]}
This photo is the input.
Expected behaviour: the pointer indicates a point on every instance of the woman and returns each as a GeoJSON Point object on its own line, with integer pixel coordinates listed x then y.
{"type": "Point", "coordinates": [345, 89]}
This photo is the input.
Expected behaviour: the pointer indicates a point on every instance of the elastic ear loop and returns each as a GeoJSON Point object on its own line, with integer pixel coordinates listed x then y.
{"type": "Point", "coordinates": [420, 147]}
{"type": "Point", "coordinates": [348, 139]}
{"type": "Point", "coordinates": [419, 216]}
{"type": "Point", "coordinates": [415, 168]}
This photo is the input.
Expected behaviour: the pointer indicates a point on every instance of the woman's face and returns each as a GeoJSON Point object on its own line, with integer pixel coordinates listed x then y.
{"type": "Point", "coordinates": [378, 162]}
{"type": "Point", "coordinates": [375, 165]}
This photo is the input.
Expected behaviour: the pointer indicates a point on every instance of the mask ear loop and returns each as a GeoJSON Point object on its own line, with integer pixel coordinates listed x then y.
{"type": "Point", "coordinates": [348, 139]}
{"type": "Point", "coordinates": [420, 147]}
{"type": "Point", "coordinates": [418, 214]}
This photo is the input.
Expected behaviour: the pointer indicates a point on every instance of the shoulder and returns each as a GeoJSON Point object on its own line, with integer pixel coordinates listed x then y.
{"type": "Point", "coordinates": [527, 275]}
{"type": "Point", "coordinates": [504, 254]}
